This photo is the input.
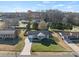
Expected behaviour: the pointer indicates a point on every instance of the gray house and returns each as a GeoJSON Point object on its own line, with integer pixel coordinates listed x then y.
{"type": "Point", "coordinates": [8, 36]}
{"type": "Point", "coordinates": [38, 35]}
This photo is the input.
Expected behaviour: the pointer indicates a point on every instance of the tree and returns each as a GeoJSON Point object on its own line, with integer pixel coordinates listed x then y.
{"type": "Point", "coordinates": [76, 20]}
{"type": "Point", "coordinates": [42, 25]}
{"type": "Point", "coordinates": [29, 17]}
{"type": "Point", "coordinates": [35, 25]}
{"type": "Point", "coordinates": [70, 17]}
{"type": "Point", "coordinates": [54, 15]}
{"type": "Point", "coordinates": [73, 18]}
{"type": "Point", "coordinates": [28, 27]}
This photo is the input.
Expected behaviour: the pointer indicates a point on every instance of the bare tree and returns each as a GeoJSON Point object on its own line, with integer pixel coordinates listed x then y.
{"type": "Point", "coordinates": [54, 15]}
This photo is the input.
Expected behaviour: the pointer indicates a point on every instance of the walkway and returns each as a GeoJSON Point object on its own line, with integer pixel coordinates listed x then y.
{"type": "Point", "coordinates": [27, 48]}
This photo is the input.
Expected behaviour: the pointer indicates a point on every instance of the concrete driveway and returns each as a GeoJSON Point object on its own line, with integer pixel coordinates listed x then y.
{"type": "Point", "coordinates": [27, 48]}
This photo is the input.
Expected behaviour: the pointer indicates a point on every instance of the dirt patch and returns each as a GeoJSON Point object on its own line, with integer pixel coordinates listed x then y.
{"type": "Point", "coordinates": [9, 54]}
{"type": "Point", "coordinates": [7, 47]}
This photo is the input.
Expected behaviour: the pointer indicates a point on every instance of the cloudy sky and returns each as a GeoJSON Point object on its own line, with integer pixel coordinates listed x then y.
{"type": "Point", "coordinates": [23, 6]}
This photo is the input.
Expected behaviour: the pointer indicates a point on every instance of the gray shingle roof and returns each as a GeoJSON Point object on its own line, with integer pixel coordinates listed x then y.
{"type": "Point", "coordinates": [7, 31]}
{"type": "Point", "coordinates": [37, 32]}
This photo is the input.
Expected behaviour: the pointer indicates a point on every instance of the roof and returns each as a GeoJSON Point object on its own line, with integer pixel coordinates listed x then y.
{"type": "Point", "coordinates": [41, 34]}
{"type": "Point", "coordinates": [72, 34]}
{"type": "Point", "coordinates": [7, 31]}
{"type": "Point", "coordinates": [36, 20]}
{"type": "Point", "coordinates": [37, 32]}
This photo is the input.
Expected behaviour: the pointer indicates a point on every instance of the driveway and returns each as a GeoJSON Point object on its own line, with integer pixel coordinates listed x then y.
{"type": "Point", "coordinates": [72, 45]}
{"type": "Point", "coordinates": [27, 48]}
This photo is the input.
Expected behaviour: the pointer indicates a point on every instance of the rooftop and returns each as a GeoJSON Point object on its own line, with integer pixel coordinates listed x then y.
{"type": "Point", "coordinates": [39, 31]}
{"type": "Point", "coordinates": [7, 31]}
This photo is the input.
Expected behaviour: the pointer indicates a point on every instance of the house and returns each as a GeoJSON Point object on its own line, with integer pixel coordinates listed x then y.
{"type": "Point", "coordinates": [36, 20]}
{"type": "Point", "coordinates": [35, 36]}
{"type": "Point", "coordinates": [23, 23]}
{"type": "Point", "coordinates": [8, 36]}
{"type": "Point", "coordinates": [73, 36]}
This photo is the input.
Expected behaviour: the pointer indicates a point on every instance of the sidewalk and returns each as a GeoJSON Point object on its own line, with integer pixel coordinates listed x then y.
{"type": "Point", "coordinates": [27, 48]}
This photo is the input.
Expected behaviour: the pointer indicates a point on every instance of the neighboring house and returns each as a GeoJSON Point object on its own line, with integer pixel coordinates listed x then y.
{"type": "Point", "coordinates": [9, 36]}
{"type": "Point", "coordinates": [4, 34]}
{"type": "Point", "coordinates": [22, 24]}
{"type": "Point", "coordinates": [38, 35]}
{"type": "Point", "coordinates": [36, 20]}
{"type": "Point", "coordinates": [73, 36]}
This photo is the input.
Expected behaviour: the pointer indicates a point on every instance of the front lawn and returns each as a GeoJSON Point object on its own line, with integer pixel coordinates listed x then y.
{"type": "Point", "coordinates": [38, 47]}
{"type": "Point", "coordinates": [47, 45]}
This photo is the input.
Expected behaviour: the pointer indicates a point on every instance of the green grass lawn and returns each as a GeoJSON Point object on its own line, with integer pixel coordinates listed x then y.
{"type": "Point", "coordinates": [47, 45]}
{"type": "Point", "coordinates": [38, 47]}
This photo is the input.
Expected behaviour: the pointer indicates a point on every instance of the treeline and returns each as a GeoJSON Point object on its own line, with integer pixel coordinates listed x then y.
{"type": "Point", "coordinates": [57, 16]}
{"type": "Point", "coordinates": [46, 15]}
{"type": "Point", "coordinates": [55, 19]}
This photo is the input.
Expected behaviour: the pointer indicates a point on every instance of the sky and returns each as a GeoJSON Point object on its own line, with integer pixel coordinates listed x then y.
{"type": "Point", "coordinates": [23, 6]}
